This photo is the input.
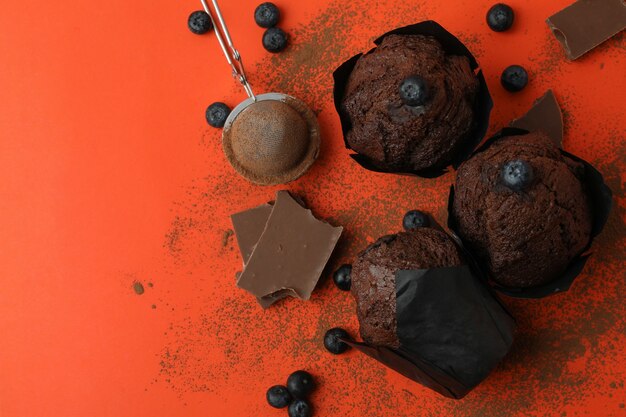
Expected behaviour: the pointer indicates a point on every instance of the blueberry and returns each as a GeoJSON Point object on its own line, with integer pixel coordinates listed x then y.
{"type": "Point", "coordinates": [300, 384]}
{"type": "Point", "coordinates": [415, 219]}
{"type": "Point", "coordinates": [517, 174]}
{"type": "Point", "coordinates": [299, 408]}
{"type": "Point", "coordinates": [274, 40]}
{"type": "Point", "coordinates": [199, 22]}
{"type": "Point", "coordinates": [342, 277]}
{"type": "Point", "coordinates": [332, 341]}
{"type": "Point", "coordinates": [216, 114]}
{"type": "Point", "coordinates": [266, 15]}
{"type": "Point", "coordinates": [414, 91]}
{"type": "Point", "coordinates": [514, 78]}
{"type": "Point", "coordinates": [500, 17]}
{"type": "Point", "coordinates": [278, 396]}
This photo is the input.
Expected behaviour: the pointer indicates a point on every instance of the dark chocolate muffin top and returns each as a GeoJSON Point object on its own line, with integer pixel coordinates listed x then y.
{"type": "Point", "coordinates": [527, 234]}
{"type": "Point", "coordinates": [373, 277]}
{"type": "Point", "coordinates": [400, 137]}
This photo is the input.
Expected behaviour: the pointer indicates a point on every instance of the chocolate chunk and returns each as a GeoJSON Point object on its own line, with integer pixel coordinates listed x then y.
{"type": "Point", "coordinates": [585, 24]}
{"type": "Point", "coordinates": [545, 115]}
{"type": "Point", "coordinates": [291, 253]}
{"type": "Point", "coordinates": [249, 226]}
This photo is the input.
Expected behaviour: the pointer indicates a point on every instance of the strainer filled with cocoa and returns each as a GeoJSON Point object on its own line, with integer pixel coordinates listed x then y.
{"type": "Point", "coordinates": [270, 138]}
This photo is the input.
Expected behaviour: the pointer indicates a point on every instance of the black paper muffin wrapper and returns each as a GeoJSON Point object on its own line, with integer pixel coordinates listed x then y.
{"type": "Point", "coordinates": [453, 46]}
{"type": "Point", "coordinates": [452, 330]}
{"type": "Point", "coordinates": [600, 198]}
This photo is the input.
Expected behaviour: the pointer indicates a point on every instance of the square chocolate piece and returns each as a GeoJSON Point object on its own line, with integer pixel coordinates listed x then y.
{"type": "Point", "coordinates": [291, 253]}
{"type": "Point", "coordinates": [249, 226]}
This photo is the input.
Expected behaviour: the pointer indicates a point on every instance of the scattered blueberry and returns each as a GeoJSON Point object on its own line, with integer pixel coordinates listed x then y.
{"type": "Point", "coordinates": [517, 174]}
{"type": "Point", "coordinates": [414, 91]}
{"type": "Point", "coordinates": [266, 15]}
{"type": "Point", "coordinates": [278, 396]}
{"type": "Point", "coordinates": [500, 17]}
{"type": "Point", "coordinates": [514, 78]}
{"type": "Point", "coordinates": [332, 341]}
{"type": "Point", "coordinates": [300, 384]}
{"type": "Point", "coordinates": [216, 114]}
{"type": "Point", "coordinates": [299, 408]}
{"type": "Point", "coordinates": [342, 277]}
{"type": "Point", "coordinates": [199, 22]}
{"type": "Point", "coordinates": [274, 40]}
{"type": "Point", "coordinates": [415, 219]}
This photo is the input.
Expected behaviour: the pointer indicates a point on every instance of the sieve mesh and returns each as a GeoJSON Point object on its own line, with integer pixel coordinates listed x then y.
{"type": "Point", "coordinates": [269, 137]}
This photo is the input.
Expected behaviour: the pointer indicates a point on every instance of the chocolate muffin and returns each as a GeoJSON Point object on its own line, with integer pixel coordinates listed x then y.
{"type": "Point", "coordinates": [521, 207]}
{"type": "Point", "coordinates": [373, 277]}
{"type": "Point", "coordinates": [410, 104]}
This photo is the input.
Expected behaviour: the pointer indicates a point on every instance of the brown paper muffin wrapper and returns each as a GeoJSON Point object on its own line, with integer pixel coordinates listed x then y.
{"type": "Point", "coordinates": [452, 329]}
{"type": "Point", "coordinates": [453, 46]}
{"type": "Point", "coordinates": [601, 200]}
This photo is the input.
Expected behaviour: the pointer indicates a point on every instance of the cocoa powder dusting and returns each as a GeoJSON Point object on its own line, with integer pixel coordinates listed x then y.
{"type": "Point", "coordinates": [231, 335]}
{"type": "Point", "coordinates": [226, 237]}
{"type": "Point", "coordinates": [138, 288]}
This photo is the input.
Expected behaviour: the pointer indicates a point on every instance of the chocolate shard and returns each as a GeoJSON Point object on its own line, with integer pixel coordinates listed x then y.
{"type": "Point", "coordinates": [249, 226]}
{"type": "Point", "coordinates": [545, 115]}
{"type": "Point", "coordinates": [586, 24]}
{"type": "Point", "coordinates": [291, 253]}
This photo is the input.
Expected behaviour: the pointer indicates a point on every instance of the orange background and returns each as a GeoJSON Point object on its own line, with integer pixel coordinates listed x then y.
{"type": "Point", "coordinates": [110, 175]}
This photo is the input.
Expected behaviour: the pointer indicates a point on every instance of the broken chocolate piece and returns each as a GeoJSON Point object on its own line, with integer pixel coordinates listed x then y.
{"type": "Point", "coordinates": [545, 115]}
{"type": "Point", "coordinates": [249, 226]}
{"type": "Point", "coordinates": [291, 253]}
{"type": "Point", "coordinates": [585, 24]}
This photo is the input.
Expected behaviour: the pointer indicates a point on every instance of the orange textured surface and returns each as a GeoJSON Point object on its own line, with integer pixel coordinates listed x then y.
{"type": "Point", "coordinates": [110, 176]}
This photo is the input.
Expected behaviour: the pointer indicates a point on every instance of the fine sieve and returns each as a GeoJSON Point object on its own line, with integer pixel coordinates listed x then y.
{"type": "Point", "coordinates": [270, 138]}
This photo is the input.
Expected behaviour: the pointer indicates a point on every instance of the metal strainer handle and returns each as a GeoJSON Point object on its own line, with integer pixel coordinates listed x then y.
{"type": "Point", "coordinates": [226, 43]}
